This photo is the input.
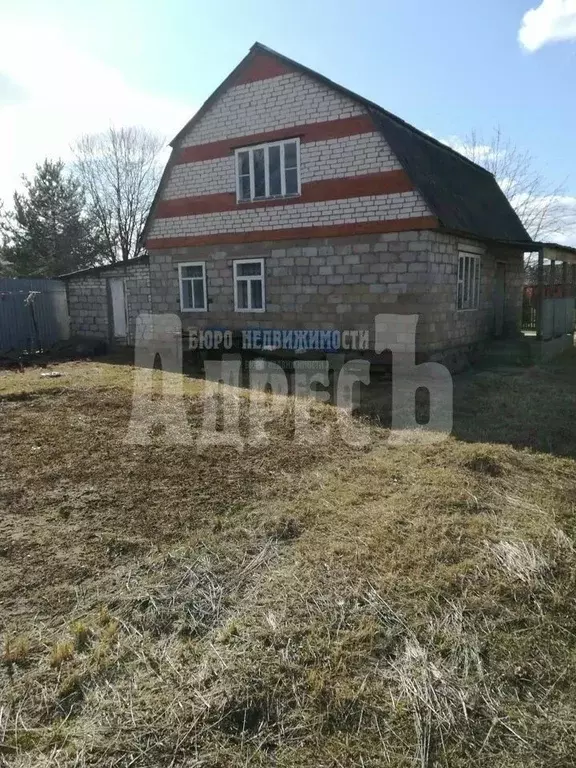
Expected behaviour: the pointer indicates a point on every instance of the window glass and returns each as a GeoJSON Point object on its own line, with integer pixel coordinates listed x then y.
{"type": "Point", "coordinates": [249, 286]}
{"type": "Point", "coordinates": [259, 175]}
{"type": "Point", "coordinates": [193, 295]}
{"type": "Point", "coordinates": [290, 155]}
{"type": "Point", "coordinates": [244, 187]}
{"type": "Point", "coordinates": [274, 170]}
{"type": "Point", "coordinates": [244, 163]}
{"type": "Point", "coordinates": [256, 293]}
{"type": "Point", "coordinates": [198, 289]}
{"type": "Point", "coordinates": [246, 270]}
{"type": "Point", "coordinates": [292, 181]}
{"type": "Point", "coordinates": [195, 271]}
{"type": "Point", "coordinates": [243, 294]}
{"type": "Point", "coordinates": [268, 171]}
{"type": "Point", "coordinates": [468, 281]}
{"type": "Point", "coordinates": [187, 294]}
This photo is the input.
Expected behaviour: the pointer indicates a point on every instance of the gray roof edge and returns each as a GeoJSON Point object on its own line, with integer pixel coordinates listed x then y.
{"type": "Point", "coordinates": [143, 259]}
{"type": "Point", "coordinates": [528, 245]}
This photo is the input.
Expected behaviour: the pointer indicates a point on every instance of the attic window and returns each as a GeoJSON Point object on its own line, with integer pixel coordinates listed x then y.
{"type": "Point", "coordinates": [268, 171]}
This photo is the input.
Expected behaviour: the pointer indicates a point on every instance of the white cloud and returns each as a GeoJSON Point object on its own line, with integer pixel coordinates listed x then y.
{"type": "Point", "coordinates": [51, 92]}
{"type": "Point", "coordinates": [551, 21]}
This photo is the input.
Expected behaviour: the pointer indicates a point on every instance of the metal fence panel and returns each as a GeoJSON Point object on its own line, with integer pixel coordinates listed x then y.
{"type": "Point", "coordinates": [569, 309]}
{"type": "Point", "coordinates": [34, 324]}
{"type": "Point", "coordinates": [548, 319]}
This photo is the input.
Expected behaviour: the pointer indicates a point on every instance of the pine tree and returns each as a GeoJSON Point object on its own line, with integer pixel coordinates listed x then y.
{"type": "Point", "coordinates": [51, 233]}
{"type": "Point", "coordinates": [5, 249]}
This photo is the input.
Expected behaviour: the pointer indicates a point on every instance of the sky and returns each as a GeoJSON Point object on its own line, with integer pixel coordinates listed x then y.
{"type": "Point", "coordinates": [448, 67]}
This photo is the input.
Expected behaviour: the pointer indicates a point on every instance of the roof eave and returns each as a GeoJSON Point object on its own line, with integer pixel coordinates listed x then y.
{"type": "Point", "coordinates": [102, 267]}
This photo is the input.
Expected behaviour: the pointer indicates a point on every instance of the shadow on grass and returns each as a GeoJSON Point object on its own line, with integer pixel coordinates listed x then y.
{"type": "Point", "coordinates": [532, 408]}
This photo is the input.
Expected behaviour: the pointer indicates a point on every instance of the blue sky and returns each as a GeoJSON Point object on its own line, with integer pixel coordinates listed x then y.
{"type": "Point", "coordinates": [448, 67]}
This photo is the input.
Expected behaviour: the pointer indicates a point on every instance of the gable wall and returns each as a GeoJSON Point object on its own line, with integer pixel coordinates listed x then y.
{"type": "Point", "coordinates": [339, 150]}
{"type": "Point", "coordinates": [268, 105]}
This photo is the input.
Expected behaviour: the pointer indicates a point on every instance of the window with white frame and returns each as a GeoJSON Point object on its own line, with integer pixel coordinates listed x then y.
{"type": "Point", "coordinates": [268, 170]}
{"type": "Point", "coordinates": [468, 280]}
{"type": "Point", "coordinates": [192, 278]}
{"type": "Point", "coordinates": [249, 285]}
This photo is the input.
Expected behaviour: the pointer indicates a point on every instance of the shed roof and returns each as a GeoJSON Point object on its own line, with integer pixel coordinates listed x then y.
{"type": "Point", "coordinates": [119, 265]}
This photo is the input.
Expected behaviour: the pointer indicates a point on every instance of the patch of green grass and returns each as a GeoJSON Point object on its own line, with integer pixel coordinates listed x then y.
{"type": "Point", "coordinates": [16, 650]}
{"type": "Point", "coordinates": [61, 652]}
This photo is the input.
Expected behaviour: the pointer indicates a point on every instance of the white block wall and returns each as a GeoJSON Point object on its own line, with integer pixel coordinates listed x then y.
{"type": "Point", "coordinates": [355, 209]}
{"type": "Point", "coordinates": [206, 177]}
{"type": "Point", "coordinates": [276, 103]}
{"type": "Point", "coordinates": [331, 159]}
{"type": "Point", "coordinates": [347, 156]}
{"type": "Point", "coordinates": [267, 105]}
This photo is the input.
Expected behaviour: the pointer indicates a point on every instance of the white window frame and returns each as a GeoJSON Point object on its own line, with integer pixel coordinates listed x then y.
{"type": "Point", "coordinates": [267, 195]}
{"type": "Point", "coordinates": [181, 280]}
{"type": "Point", "coordinates": [249, 278]}
{"type": "Point", "coordinates": [472, 277]}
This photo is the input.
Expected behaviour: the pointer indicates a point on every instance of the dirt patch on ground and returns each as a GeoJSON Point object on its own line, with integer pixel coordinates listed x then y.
{"type": "Point", "coordinates": [77, 500]}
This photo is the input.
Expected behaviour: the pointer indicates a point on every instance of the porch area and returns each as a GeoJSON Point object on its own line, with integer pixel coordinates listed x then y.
{"type": "Point", "coordinates": [549, 301]}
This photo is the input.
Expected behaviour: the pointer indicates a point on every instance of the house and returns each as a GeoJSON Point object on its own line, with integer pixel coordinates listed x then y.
{"type": "Point", "coordinates": [104, 301]}
{"type": "Point", "coordinates": [290, 202]}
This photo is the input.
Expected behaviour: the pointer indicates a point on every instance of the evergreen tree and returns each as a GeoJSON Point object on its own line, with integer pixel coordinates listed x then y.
{"type": "Point", "coordinates": [51, 233]}
{"type": "Point", "coordinates": [5, 250]}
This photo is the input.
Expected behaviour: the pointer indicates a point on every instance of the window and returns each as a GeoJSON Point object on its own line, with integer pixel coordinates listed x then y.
{"type": "Point", "coordinates": [192, 286]}
{"type": "Point", "coordinates": [468, 281]}
{"type": "Point", "coordinates": [249, 285]}
{"type": "Point", "coordinates": [269, 170]}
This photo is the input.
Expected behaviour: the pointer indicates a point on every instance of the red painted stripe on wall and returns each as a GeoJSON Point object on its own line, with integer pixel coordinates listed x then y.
{"type": "Point", "coordinates": [383, 183]}
{"type": "Point", "coordinates": [329, 129]}
{"type": "Point", "coordinates": [299, 233]}
{"type": "Point", "coordinates": [262, 67]}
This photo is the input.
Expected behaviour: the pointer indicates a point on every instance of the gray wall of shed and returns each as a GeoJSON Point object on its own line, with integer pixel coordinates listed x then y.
{"type": "Point", "coordinates": [88, 301]}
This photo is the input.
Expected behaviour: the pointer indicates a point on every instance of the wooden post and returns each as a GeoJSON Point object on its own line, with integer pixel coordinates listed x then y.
{"type": "Point", "coordinates": [540, 308]}
{"type": "Point", "coordinates": [564, 279]}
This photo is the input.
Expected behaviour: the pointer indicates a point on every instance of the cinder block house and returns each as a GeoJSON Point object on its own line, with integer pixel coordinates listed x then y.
{"type": "Point", "coordinates": [290, 202]}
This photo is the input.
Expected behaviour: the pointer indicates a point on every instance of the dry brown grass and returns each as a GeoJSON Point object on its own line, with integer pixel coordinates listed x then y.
{"type": "Point", "coordinates": [290, 605]}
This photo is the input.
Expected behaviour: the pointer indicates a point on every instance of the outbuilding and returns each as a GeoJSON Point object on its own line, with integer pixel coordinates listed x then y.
{"type": "Point", "coordinates": [104, 301]}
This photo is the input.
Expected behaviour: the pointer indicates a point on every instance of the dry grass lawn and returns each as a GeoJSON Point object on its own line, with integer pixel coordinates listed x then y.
{"type": "Point", "coordinates": [291, 605]}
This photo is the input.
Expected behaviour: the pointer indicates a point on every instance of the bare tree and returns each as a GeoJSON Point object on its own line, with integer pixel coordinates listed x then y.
{"type": "Point", "coordinates": [120, 172]}
{"type": "Point", "coordinates": [543, 207]}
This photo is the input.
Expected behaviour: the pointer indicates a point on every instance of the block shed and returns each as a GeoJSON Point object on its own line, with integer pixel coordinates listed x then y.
{"type": "Point", "coordinates": [104, 301]}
